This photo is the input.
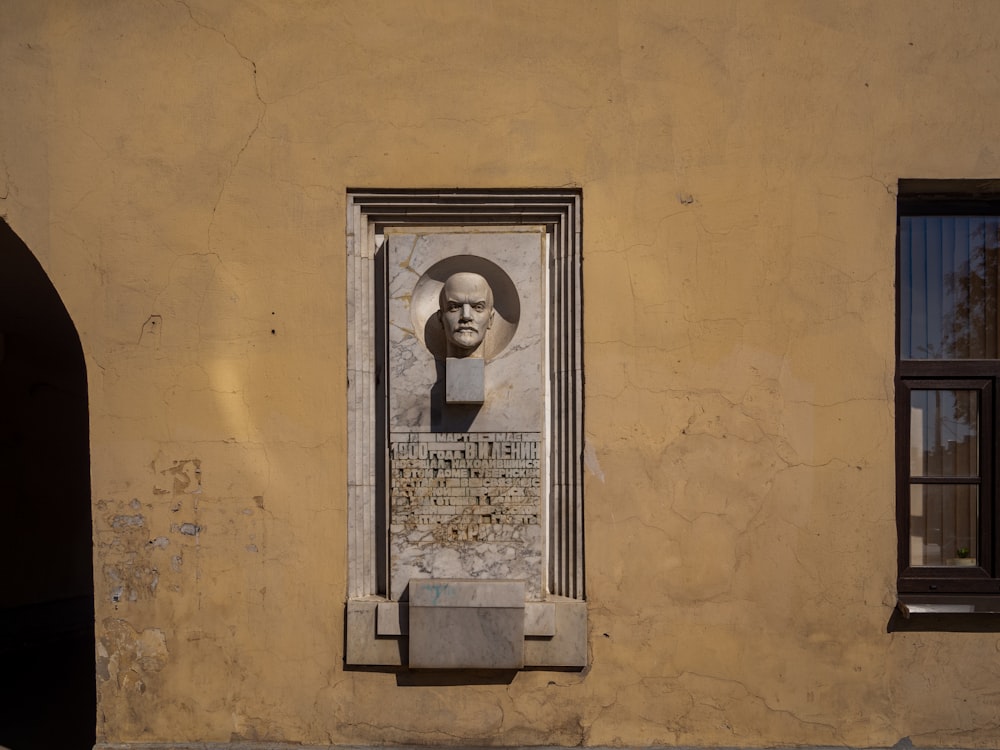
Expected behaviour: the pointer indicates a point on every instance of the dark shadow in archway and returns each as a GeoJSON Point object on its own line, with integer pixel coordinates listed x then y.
{"type": "Point", "coordinates": [47, 678]}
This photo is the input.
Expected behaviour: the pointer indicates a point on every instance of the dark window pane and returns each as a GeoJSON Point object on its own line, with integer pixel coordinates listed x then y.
{"type": "Point", "coordinates": [948, 287]}
{"type": "Point", "coordinates": [944, 433]}
{"type": "Point", "coordinates": [944, 523]}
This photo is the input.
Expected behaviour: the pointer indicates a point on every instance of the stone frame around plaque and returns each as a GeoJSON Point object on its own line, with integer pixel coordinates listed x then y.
{"type": "Point", "coordinates": [555, 620]}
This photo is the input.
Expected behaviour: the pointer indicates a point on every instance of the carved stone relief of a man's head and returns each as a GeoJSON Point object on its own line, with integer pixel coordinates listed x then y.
{"type": "Point", "coordinates": [466, 313]}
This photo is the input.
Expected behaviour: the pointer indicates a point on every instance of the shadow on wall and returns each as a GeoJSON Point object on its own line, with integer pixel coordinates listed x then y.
{"type": "Point", "coordinates": [47, 678]}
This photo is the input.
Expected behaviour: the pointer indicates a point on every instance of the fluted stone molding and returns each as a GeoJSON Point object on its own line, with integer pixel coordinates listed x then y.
{"type": "Point", "coordinates": [369, 214]}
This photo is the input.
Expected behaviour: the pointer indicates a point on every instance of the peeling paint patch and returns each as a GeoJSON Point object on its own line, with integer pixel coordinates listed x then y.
{"type": "Point", "coordinates": [127, 549]}
{"type": "Point", "coordinates": [103, 658]}
{"type": "Point", "coordinates": [126, 658]}
{"type": "Point", "coordinates": [130, 580]}
{"type": "Point", "coordinates": [185, 476]}
{"type": "Point", "coordinates": [190, 529]}
{"type": "Point", "coordinates": [591, 462]}
{"type": "Point", "coordinates": [123, 521]}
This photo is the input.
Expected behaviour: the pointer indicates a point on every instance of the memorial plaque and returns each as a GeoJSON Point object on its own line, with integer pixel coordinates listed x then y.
{"type": "Point", "coordinates": [466, 457]}
{"type": "Point", "coordinates": [465, 429]}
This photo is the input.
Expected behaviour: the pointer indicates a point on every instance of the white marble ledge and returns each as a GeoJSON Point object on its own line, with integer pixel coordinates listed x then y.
{"type": "Point", "coordinates": [466, 624]}
{"type": "Point", "coordinates": [249, 745]}
{"type": "Point", "coordinates": [539, 618]}
{"type": "Point", "coordinates": [555, 633]}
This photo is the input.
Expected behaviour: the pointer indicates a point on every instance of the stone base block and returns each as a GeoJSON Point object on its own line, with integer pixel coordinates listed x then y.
{"type": "Point", "coordinates": [555, 633]}
{"type": "Point", "coordinates": [466, 624]}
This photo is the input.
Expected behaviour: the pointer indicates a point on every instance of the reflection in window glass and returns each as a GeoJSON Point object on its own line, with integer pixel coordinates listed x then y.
{"type": "Point", "coordinates": [944, 433]}
{"type": "Point", "coordinates": [944, 443]}
{"type": "Point", "coordinates": [948, 287]}
{"type": "Point", "coordinates": [943, 523]}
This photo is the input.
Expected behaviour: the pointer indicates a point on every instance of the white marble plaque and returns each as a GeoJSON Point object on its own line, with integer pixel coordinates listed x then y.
{"type": "Point", "coordinates": [418, 264]}
{"type": "Point", "coordinates": [456, 624]}
{"type": "Point", "coordinates": [465, 484]}
{"type": "Point", "coordinates": [427, 499]}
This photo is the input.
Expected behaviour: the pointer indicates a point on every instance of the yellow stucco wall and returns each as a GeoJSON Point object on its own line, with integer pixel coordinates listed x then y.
{"type": "Point", "coordinates": [179, 169]}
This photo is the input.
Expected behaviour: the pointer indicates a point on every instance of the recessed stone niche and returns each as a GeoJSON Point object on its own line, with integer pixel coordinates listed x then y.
{"type": "Point", "coordinates": [465, 430]}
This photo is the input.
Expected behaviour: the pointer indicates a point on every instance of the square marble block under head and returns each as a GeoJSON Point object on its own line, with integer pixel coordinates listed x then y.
{"type": "Point", "coordinates": [465, 381]}
{"type": "Point", "coordinates": [466, 624]}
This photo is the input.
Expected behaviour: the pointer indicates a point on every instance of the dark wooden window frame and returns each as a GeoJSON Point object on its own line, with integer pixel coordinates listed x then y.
{"type": "Point", "coordinates": [974, 579]}
{"type": "Point", "coordinates": [927, 588]}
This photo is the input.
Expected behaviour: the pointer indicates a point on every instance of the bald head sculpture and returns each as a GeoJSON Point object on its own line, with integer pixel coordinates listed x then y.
{"type": "Point", "coordinates": [466, 313]}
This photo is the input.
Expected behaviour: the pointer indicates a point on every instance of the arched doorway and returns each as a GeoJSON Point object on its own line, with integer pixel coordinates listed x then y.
{"type": "Point", "coordinates": [47, 680]}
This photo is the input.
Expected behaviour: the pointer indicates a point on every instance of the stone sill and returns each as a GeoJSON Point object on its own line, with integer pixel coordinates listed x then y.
{"type": "Point", "coordinates": [945, 613]}
{"type": "Point", "coordinates": [555, 630]}
{"type": "Point", "coordinates": [238, 745]}
{"type": "Point", "coordinates": [950, 604]}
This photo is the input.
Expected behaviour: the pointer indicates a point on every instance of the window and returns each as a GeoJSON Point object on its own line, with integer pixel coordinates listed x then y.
{"type": "Point", "coordinates": [947, 374]}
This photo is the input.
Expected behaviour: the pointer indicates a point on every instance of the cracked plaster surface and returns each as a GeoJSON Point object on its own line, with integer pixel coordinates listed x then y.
{"type": "Point", "coordinates": [183, 183]}
{"type": "Point", "coordinates": [235, 161]}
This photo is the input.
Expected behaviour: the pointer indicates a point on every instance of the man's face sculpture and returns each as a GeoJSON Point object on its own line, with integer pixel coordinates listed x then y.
{"type": "Point", "coordinates": [466, 313]}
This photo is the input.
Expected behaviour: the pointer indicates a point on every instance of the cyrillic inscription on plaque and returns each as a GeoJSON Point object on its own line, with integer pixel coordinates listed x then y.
{"type": "Point", "coordinates": [449, 489]}
{"type": "Point", "coordinates": [480, 486]}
